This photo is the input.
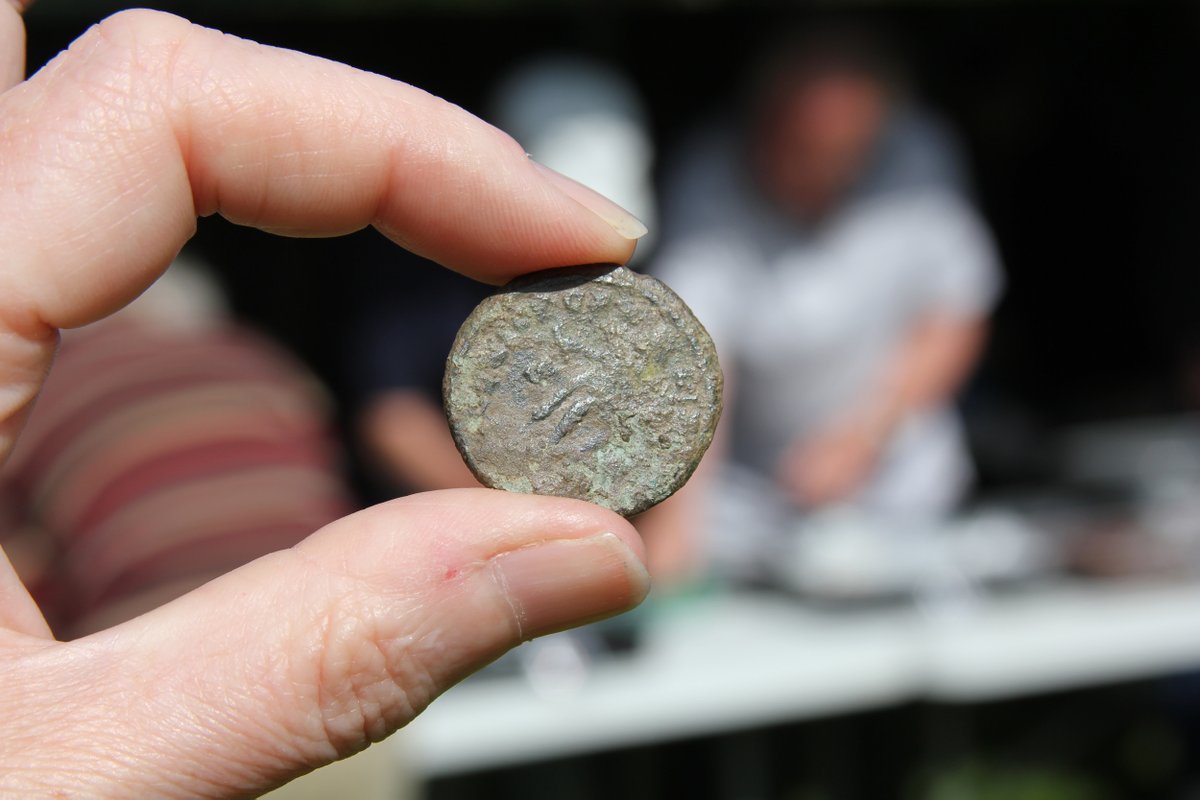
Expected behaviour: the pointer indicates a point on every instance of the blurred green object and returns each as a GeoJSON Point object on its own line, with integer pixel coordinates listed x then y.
{"type": "Point", "coordinates": [974, 780]}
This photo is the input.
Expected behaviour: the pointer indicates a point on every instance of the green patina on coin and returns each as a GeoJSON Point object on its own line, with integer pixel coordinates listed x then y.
{"type": "Point", "coordinates": [589, 382]}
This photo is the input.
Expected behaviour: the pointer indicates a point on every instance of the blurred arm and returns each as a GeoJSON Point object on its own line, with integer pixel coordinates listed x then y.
{"type": "Point", "coordinates": [407, 435]}
{"type": "Point", "coordinates": [672, 530]}
{"type": "Point", "coordinates": [928, 368]}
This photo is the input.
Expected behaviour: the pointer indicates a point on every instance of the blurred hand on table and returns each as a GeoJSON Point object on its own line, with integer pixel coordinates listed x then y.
{"type": "Point", "coordinates": [830, 466]}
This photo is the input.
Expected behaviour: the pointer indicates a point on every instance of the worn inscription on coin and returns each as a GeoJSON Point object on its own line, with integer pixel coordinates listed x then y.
{"type": "Point", "coordinates": [589, 382]}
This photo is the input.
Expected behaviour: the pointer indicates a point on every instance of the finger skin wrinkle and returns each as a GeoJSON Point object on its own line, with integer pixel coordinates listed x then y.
{"type": "Point", "coordinates": [385, 648]}
{"type": "Point", "coordinates": [514, 608]}
{"type": "Point", "coordinates": [361, 671]}
{"type": "Point", "coordinates": [350, 688]}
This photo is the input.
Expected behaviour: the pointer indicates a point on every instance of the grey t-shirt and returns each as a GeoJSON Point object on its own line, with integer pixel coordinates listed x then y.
{"type": "Point", "coordinates": [810, 318]}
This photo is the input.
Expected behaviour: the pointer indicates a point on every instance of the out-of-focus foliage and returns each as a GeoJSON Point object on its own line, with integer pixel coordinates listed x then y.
{"type": "Point", "coordinates": [994, 782]}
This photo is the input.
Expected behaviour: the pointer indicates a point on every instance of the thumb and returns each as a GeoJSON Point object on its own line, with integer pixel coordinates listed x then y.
{"type": "Point", "coordinates": [310, 654]}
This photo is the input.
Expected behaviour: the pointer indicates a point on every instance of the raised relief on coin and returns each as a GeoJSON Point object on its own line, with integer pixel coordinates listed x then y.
{"type": "Point", "coordinates": [589, 382]}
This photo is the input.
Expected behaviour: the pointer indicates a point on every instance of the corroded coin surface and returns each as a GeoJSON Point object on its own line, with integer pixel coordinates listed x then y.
{"type": "Point", "coordinates": [589, 382]}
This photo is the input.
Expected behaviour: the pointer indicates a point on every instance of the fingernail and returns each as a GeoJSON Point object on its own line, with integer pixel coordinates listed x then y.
{"type": "Point", "coordinates": [567, 582]}
{"type": "Point", "coordinates": [621, 220]}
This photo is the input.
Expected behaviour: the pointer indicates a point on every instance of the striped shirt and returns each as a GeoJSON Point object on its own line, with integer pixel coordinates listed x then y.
{"type": "Point", "coordinates": [159, 458]}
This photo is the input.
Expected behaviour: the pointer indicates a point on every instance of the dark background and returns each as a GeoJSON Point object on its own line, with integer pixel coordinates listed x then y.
{"type": "Point", "coordinates": [1081, 121]}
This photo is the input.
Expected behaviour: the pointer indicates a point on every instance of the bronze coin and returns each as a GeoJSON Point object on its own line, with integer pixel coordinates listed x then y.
{"type": "Point", "coordinates": [589, 382]}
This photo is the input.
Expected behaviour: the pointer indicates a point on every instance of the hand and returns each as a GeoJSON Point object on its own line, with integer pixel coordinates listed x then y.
{"type": "Point", "coordinates": [106, 157]}
{"type": "Point", "coordinates": [831, 465]}
{"type": "Point", "coordinates": [673, 533]}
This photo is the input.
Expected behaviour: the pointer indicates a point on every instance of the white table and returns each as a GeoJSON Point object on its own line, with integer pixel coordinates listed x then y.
{"type": "Point", "coordinates": [1064, 636]}
{"type": "Point", "coordinates": [729, 663]}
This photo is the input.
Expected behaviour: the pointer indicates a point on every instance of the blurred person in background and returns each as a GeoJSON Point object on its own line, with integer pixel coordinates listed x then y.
{"type": "Point", "coordinates": [147, 416]}
{"type": "Point", "coordinates": [827, 244]}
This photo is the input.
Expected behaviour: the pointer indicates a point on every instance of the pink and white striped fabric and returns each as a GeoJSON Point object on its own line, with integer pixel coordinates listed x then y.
{"type": "Point", "coordinates": [161, 459]}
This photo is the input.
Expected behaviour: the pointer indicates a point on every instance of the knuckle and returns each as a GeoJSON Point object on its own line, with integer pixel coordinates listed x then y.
{"type": "Point", "coordinates": [131, 53]}
{"type": "Point", "coordinates": [369, 680]}
{"type": "Point", "coordinates": [140, 28]}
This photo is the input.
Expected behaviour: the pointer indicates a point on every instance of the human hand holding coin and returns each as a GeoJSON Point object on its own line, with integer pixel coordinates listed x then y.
{"type": "Point", "coordinates": [107, 156]}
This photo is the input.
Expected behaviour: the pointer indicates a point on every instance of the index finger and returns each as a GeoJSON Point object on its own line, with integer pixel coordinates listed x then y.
{"type": "Point", "coordinates": [109, 153]}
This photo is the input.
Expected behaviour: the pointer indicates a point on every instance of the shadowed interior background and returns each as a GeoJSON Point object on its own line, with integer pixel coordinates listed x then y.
{"type": "Point", "coordinates": [1078, 122]}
